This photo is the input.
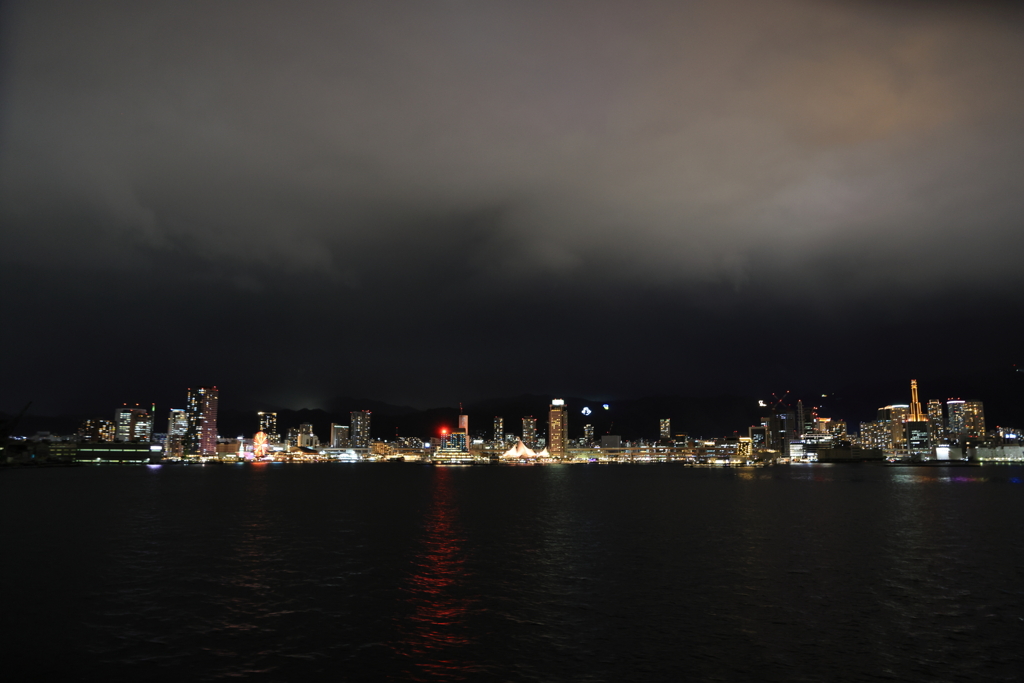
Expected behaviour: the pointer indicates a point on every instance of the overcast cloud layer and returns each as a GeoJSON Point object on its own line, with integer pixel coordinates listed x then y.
{"type": "Point", "coordinates": [422, 201]}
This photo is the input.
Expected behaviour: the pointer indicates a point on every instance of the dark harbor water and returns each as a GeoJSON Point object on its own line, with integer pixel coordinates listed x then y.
{"type": "Point", "coordinates": [561, 573]}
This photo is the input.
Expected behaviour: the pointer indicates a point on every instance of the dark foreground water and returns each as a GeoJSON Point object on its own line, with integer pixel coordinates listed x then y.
{"type": "Point", "coordinates": [563, 573]}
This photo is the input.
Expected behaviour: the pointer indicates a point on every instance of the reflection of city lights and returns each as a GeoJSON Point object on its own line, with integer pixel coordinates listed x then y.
{"type": "Point", "coordinates": [586, 411]}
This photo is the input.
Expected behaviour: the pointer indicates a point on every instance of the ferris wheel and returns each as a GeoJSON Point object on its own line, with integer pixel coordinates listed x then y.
{"type": "Point", "coordinates": [259, 446]}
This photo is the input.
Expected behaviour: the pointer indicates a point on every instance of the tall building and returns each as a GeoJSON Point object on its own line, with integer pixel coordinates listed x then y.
{"type": "Point", "coordinates": [956, 420]}
{"type": "Point", "coordinates": [802, 426]}
{"type": "Point", "coordinates": [530, 431]}
{"type": "Point", "coordinates": [133, 424]}
{"type": "Point", "coordinates": [307, 439]}
{"type": "Point", "coordinates": [588, 435]}
{"type": "Point", "coordinates": [780, 429]}
{"type": "Point", "coordinates": [177, 422]}
{"type": "Point", "coordinates": [458, 440]}
{"type": "Point", "coordinates": [464, 424]}
{"type": "Point", "coordinates": [973, 420]}
{"type": "Point", "coordinates": [936, 424]}
{"type": "Point", "coordinates": [916, 427]}
{"type": "Point", "coordinates": [964, 420]}
{"type": "Point", "coordinates": [201, 434]}
{"type": "Point", "coordinates": [888, 431]}
{"type": "Point", "coordinates": [499, 429]}
{"type": "Point", "coordinates": [339, 436]}
{"type": "Point", "coordinates": [360, 421]}
{"type": "Point", "coordinates": [665, 429]}
{"type": "Point", "coordinates": [97, 431]}
{"type": "Point", "coordinates": [268, 425]}
{"type": "Point", "coordinates": [558, 429]}
{"type": "Point", "coordinates": [177, 428]}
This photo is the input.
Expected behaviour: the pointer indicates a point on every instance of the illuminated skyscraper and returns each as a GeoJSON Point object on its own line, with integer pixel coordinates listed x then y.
{"type": "Point", "coordinates": [268, 425]}
{"type": "Point", "coordinates": [966, 419]}
{"type": "Point", "coordinates": [339, 436]}
{"type": "Point", "coordinates": [956, 419]}
{"type": "Point", "coordinates": [360, 421]}
{"type": "Point", "coordinates": [588, 435]}
{"type": "Point", "coordinates": [97, 431]}
{"type": "Point", "coordinates": [177, 427]}
{"type": "Point", "coordinates": [458, 440]}
{"type": "Point", "coordinates": [307, 439]}
{"type": "Point", "coordinates": [530, 432]}
{"type": "Point", "coordinates": [499, 429]}
{"type": "Point", "coordinates": [936, 424]}
{"type": "Point", "coordinates": [665, 429]}
{"type": "Point", "coordinates": [558, 429]}
{"type": "Point", "coordinates": [133, 424]}
{"type": "Point", "coordinates": [177, 422]}
{"type": "Point", "coordinates": [888, 431]}
{"type": "Point", "coordinates": [201, 434]}
{"type": "Point", "coordinates": [974, 419]}
{"type": "Point", "coordinates": [916, 426]}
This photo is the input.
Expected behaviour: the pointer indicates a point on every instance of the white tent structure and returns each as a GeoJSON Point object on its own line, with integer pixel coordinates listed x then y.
{"type": "Point", "coordinates": [519, 452]}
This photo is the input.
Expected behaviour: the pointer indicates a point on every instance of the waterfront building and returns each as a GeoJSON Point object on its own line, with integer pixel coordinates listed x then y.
{"type": "Point", "coordinates": [456, 441]}
{"type": "Point", "coordinates": [177, 427]}
{"type": "Point", "coordinates": [782, 429]}
{"type": "Point", "coordinates": [966, 419]}
{"type": "Point", "coordinates": [97, 431]}
{"type": "Point", "coordinates": [133, 424]}
{"type": "Point", "coordinates": [201, 433]}
{"type": "Point", "coordinates": [268, 425]}
{"type": "Point", "coordinates": [936, 423]}
{"type": "Point", "coordinates": [558, 429]}
{"type": "Point", "coordinates": [665, 429]}
{"type": "Point", "coordinates": [588, 435]}
{"type": "Point", "coordinates": [611, 441]}
{"type": "Point", "coordinates": [339, 436]}
{"type": "Point", "coordinates": [360, 421]}
{"type": "Point", "coordinates": [177, 422]}
{"type": "Point", "coordinates": [974, 419]}
{"type": "Point", "coordinates": [916, 426]}
{"type": "Point", "coordinates": [499, 429]}
{"type": "Point", "coordinates": [530, 431]}
{"type": "Point", "coordinates": [758, 436]}
{"type": "Point", "coordinates": [306, 437]}
{"type": "Point", "coordinates": [955, 419]}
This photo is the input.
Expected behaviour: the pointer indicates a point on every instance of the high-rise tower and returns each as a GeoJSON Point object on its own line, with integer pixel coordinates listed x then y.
{"type": "Point", "coordinates": [558, 429]}
{"type": "Point", "coordinates": [268, 425]}
{"type": "Point", "coordinates": [339, 436]}
{"type": "Point", "coordinates": [360, 421]}
{"type": "Point", "coordinates": [936, 424]}
{"type": "Point", "coordinates": [974, 419]}
{"type": "Point", "coordinates": [133, 424]}
{"type": "Point", "coordinates": [499, 429]}
{"type": "Point", "coordinates": [665, 429]}
{"type": "Point", "coordinates": [530, 431]}
{"type": "Point", "coordinates": [917, 426]}
{"type": "Point", "coordinates": [201, 434]}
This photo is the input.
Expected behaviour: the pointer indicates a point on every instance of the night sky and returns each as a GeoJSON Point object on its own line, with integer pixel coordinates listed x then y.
{"type": "Point", "coordinates": [433, 202]}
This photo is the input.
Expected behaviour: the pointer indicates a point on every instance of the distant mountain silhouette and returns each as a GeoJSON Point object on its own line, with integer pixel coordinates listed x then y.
{"type": "Point", "coordinates": [1001, 389]}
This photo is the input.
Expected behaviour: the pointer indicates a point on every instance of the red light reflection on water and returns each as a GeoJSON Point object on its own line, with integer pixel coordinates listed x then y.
{"type": "Point", "coordinates": [437, 637]}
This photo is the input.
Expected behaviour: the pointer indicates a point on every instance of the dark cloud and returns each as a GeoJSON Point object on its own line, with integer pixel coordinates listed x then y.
{"type": "Point", "coordinates": [417, 201]}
